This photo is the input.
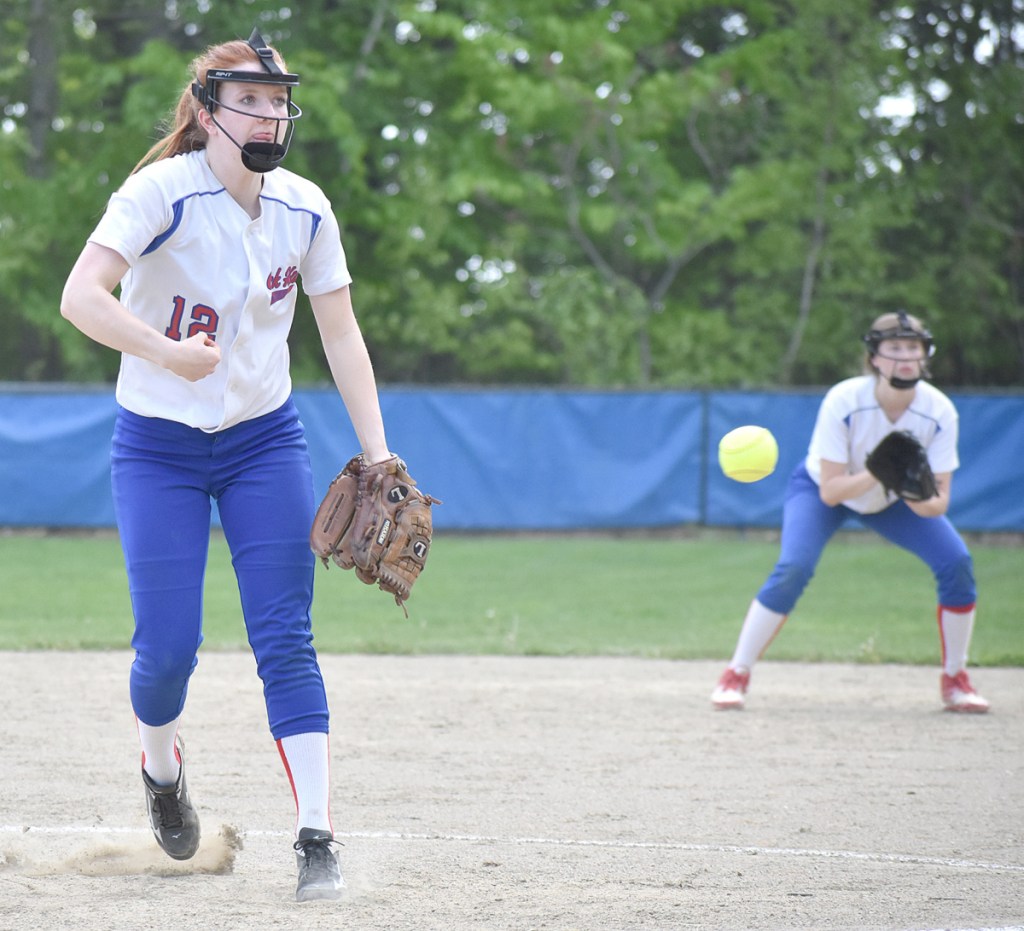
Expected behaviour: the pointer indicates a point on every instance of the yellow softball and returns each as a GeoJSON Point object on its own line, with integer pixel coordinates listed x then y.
{"type": "Point", "coordinates": [748, 454]}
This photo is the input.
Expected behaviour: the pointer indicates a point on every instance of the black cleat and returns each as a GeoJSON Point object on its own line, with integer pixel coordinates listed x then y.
{"type": "Point", "coordinates": [171, 816]}
{"type": "Point", "coordinates": [319, 873]}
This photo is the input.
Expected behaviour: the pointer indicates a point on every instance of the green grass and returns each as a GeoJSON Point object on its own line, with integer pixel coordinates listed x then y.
{"type": "Point", "coordinates": [657, 596]}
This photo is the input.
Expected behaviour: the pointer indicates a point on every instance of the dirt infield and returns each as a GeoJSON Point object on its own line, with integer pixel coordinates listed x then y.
{"type": "Point", "coordinates": [508, 793]}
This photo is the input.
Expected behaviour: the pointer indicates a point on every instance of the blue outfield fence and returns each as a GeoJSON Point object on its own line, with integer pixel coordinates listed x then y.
{"type": "Point", "coordinates": [521, 459]}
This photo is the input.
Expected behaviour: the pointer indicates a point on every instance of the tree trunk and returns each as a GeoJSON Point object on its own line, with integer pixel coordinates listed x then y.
{"type": "Point", "coordinates": [43, 90]}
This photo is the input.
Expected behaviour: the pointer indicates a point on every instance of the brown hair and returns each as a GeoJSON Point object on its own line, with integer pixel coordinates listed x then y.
{"type": "Point", "coordinates": [184, 133]}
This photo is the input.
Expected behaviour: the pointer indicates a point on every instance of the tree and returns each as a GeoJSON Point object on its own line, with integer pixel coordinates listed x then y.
{"type": "Point", "coordinates": [585, 192]}
{"type": "Point", "coordinates": [959, 258]}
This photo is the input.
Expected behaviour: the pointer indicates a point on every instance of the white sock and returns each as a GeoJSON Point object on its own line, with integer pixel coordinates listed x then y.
{"type": "Point", "coordinates": [955, 628]}
{"type": "Point", "coordinates": [759, 628]}
{"type": "Point", "coordinates": [307, 762]}
{"type": "Point", "coordinates": [159, 756]}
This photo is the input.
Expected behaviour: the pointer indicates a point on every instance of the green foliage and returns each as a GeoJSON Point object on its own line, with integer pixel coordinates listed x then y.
{"type": "Point", "coordinates": [569, 191]}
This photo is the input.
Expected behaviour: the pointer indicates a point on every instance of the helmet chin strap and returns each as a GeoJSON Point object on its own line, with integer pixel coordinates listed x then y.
{"type": "Point", "coordinates": [259, 157]}
{"type": "Point", "coordinates": [905, 384]}
{"type": "Point", "coordinates": [262, 156]}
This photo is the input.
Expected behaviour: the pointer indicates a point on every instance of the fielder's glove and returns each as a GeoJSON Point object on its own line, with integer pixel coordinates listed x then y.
{"type": "Point", "coordinates": [900, 463]}
{"type": "Point", "coordinates": [374, 520]}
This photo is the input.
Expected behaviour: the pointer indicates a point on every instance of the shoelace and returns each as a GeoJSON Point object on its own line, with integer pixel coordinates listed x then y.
{"type": "Point", "coordinates": [168, 810]}
{"type": "Point", "coordinates": [317, 852]}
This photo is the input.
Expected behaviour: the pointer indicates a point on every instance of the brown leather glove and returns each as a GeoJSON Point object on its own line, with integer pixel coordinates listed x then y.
{"type": "Point", "coordinates": [373, 519]}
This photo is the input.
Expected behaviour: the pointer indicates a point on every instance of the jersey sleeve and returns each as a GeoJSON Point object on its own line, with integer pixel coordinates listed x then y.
{"type": "Point", "coordinates": [324, 268]}
{"type": "Point", "coordinates": [136, 214]}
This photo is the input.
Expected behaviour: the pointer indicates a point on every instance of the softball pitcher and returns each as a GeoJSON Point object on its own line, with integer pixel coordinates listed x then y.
{"type": "Point", "coordinates": [209, 240]}
{"type": "Point", "coordinates": [832, 485]}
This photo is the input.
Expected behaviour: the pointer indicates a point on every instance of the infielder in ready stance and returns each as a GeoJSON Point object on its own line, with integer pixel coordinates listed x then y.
{"type": "Point", "coordinates": [209, 239]}
{"type": "Point", "coordinates": [832, 484]}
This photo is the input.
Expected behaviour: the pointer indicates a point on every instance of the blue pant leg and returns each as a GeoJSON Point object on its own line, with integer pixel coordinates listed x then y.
{"type": "Point", "coordinates": [807, 525]}
{"type": "Point", "coordinates": [163, 518]}
{"type": "Point", "coordinates": [266, 504]}
{"type": "Point", "coordinates": [936, 542]}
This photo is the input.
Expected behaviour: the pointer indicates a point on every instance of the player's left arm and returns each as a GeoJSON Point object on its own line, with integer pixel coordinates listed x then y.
{"type": "Point", "coordinates": [352, 369]}
{"type": "Point", "coordinates": [937, 505]}
{"type": "Point", "coordinates": [942, 454]}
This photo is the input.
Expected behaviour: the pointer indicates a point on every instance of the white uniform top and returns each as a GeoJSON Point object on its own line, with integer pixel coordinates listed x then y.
{"type": "Point", "coordinates": [851, 423]}
{"type": "Point", "coordinates": [199, 263]}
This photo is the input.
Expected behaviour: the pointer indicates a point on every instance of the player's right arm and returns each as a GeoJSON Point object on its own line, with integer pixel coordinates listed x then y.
{"type": "Point", "coordinates": [838, 485]}
{"type": "Point", "coordinates": [88, 302]}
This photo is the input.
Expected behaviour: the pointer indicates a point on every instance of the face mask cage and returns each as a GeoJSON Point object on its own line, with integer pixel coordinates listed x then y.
{"type": "Point", "coordinates": [256, 156]}
{"type": "Point", "coordinates": [904, 329]}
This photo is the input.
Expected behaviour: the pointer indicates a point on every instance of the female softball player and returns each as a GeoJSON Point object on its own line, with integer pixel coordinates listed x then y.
{"type": "Point", "coordinates": [832, 484]}
{"type": "Point", "coordinates": [209, 240]}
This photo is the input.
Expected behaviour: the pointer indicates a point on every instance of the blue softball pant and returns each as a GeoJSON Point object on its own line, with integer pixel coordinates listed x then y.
{"type": "Point", "coordinates": [808, 524]}
{"type": "Point", "coordinates": [165, 476]}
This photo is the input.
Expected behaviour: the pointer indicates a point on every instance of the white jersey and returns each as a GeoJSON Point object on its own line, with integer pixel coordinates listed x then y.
{"type": "Point", "coordinates": [200, 264]}
{"type": "Point", "coordinates": [851, 423]}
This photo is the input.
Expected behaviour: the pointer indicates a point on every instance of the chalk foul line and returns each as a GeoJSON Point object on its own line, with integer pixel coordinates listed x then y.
{"type": "Point", "coordinates": [912, 859]}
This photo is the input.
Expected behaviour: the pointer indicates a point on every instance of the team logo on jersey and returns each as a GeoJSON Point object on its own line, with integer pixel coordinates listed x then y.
{"type": "Point", "coordinates": [280, 284]}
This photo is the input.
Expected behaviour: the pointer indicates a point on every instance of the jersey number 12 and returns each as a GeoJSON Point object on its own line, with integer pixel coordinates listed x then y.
{"type": "Point", "coordinates": [203, 320]}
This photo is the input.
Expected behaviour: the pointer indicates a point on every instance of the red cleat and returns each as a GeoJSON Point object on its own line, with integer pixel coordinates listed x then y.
{"type": "Point", "coordinates": [731, 689]}
{"type": "Point", "coordinates": [958, 694]}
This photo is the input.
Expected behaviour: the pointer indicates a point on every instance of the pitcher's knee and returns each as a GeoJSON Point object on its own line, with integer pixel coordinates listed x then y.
{"type": "Point", "coordinates": [785, 586]}
{"type": "Point", "coordinates": [956, 585]}
{"type": "Point", "coordinates": [158, 684]}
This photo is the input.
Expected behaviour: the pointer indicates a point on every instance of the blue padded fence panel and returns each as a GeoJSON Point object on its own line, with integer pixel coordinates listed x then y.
{"type": "Point", "coordinates": [988, 488]}
{"type": "Point", "coordinates": [55, 459]}
{"type": "Point", "coordinates": [521, 459]}
{"type": "Point", "coordinates": [533, 459]}
{"type": "Point", "coordinates": [790, 418]}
